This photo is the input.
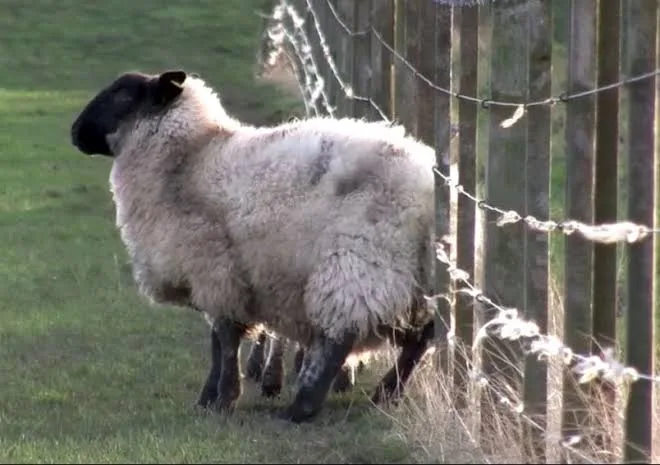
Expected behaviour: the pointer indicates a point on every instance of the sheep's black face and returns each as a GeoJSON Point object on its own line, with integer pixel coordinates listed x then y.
{"type": "Point", "coordinates": [120, 102]}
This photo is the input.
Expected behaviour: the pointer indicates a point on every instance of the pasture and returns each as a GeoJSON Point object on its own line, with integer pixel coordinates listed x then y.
{"type": "Point", "coordinates": [89, 372]}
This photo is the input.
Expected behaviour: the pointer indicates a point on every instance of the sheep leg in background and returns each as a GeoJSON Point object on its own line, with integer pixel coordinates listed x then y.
{"type": "Point", "coordinates": [209, 393]}
{"type": "Point", "coordinates": [323, 360]}
{"type": "Point", "coordinates": [229, 334]}
{"type": "Point", "coordinates": [413, 346]}
{"type": "Point", "coordinates": [300, 355]}
{"type": "Point", "coordinates": [273, 375]}
{"type": "Point", "coordinates": [361, 367]}
{"type": "Point", "coordinates": [344, 380]}
{"type": "Point", "coordinates": [255, 362]}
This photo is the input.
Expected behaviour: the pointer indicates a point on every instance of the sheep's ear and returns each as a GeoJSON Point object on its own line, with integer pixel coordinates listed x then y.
{"type": "Point", "coordinates": [170, 85]}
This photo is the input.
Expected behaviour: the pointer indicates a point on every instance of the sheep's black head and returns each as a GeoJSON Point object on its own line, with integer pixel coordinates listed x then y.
{"type": "Point", "coordinates": [130, 95]}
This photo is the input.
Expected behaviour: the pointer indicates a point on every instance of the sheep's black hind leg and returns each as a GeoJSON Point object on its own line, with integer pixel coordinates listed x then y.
{"type": "Point", "coordinates": [229, 335]}
{"type": "Point", "coordinates": [209, 393]}
{"type": "Point", "coordinates": [255, 362]}
{"type": "Point", "coordinates": [323, 360]}
{"type": "Point", "coordinates": [413, 346]}
{"type": "Point", "coordinates": [273, 377]}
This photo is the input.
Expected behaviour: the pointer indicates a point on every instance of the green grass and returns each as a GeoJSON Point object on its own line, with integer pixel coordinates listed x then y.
{"type": "Point", "coordinates": [90, 372]}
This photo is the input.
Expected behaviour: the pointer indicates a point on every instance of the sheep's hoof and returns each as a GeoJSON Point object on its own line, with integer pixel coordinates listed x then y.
{"type": "Point", "coordinates": [254, 370]}
{"type": "Point", "coordinates": [342, 382]}
{"type": "Point", "coordinates": [226, 402]}
{"type": "Point", "coordinates": [271, 390]}
{"type": "Point", "coordinates": [224, 405]}
{"type": "Point", "coordinates": [207, 398]}
{"type": "Point", "coordinates": [290, 416]}
{"type": "Point", "coordinates": [296, 414]}
{"type": "Point", "coordinates": [201, 409]}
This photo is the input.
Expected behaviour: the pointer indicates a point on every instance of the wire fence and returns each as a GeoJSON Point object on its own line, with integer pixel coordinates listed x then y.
{"type": "Point", "coordinates": [396, 61]}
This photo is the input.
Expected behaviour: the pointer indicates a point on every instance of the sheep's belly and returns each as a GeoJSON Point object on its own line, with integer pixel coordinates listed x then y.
{"type": "Point", "coordinates": [346, 296]}
{"type": "Point", "coordinates": [335, 273]}
{"type": "Point", "coordinates": [282, 310]}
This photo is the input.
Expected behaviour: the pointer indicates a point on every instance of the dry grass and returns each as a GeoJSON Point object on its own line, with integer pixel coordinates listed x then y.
{"type": "Point", "coordinates": [440, 432]}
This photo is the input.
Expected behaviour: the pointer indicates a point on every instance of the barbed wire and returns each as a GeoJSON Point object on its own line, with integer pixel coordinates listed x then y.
{"type": "Point", "coordinates": [274, 49]}
{"type": "Point", "coordinates": [346, 89]}
{"type": "Point", "coordinates": [606, 233]}
{"type": "Point", "coordinates": [277, 32]}
{"type": "Point", "coordinates": [512, 327]}
{"type": "Point", "coordinates": [301, 88]}
{"type": "Point", "coordinates": [484, 102]}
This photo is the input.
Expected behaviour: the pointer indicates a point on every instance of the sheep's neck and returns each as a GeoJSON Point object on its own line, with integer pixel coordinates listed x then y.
{"type": "Point", "coordinates": [155, 182]}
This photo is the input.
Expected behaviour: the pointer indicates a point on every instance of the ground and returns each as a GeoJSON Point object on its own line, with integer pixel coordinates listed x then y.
{"type": "Point", "coordinates": [89, 371]}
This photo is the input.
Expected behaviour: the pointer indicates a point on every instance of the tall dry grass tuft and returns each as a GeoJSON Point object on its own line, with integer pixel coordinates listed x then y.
{"type": "Point", "coordinates": [440, 432]}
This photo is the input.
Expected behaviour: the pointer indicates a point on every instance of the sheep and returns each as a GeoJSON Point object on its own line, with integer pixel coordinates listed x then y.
{"type": "Point", "coordinates": [321, 229]}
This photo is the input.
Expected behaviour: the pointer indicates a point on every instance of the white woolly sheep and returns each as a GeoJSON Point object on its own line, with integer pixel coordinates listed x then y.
{"type": "Point", "coordinates": [320, 230]}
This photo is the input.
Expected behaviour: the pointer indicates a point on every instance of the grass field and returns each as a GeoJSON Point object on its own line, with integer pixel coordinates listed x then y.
{"type": "Point", "coordinates": [88, 371]}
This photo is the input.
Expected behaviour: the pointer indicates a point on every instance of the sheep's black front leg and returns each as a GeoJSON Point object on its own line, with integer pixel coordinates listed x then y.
{"type": "Point", "coordinates": [413, 346]}
{"type": "Point", "coordinates": [323, 360]}
{"type": "Point", "coordinates": [255, 362]}
{"type": "Point", "coordinates": [209, 393]}
{"type": "Point", "coordinates": [229, 335]}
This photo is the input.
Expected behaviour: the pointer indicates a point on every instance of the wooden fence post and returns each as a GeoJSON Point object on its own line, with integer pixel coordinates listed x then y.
{"type": "Point", "coordinates": [381, 58]}
{"type": "Point", "coordinates": [362, 69]}
{"type": "Point", "coordinates": [346, 11]}
{"type": "Point", "coordinates": [403, 79]}
{"type": "Point", "coordinates": [412, 48]}
{"type": "Point", "coordinates": [579, 133]}
{"type": "Point", "coordinates": [466, 208]}
{"type": "Point", "coordinates": [640, 347]}
{"type": "Point", "coordinates": [537, 202]}
{"type": "Point", "coordinates": [607, 145]}
{"type": "Point", "coordinates": [606, 199]}
{"type": "Point", "coordinates": [435, 63]}
{"type": "Point", "coordinates": [505, 188]}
